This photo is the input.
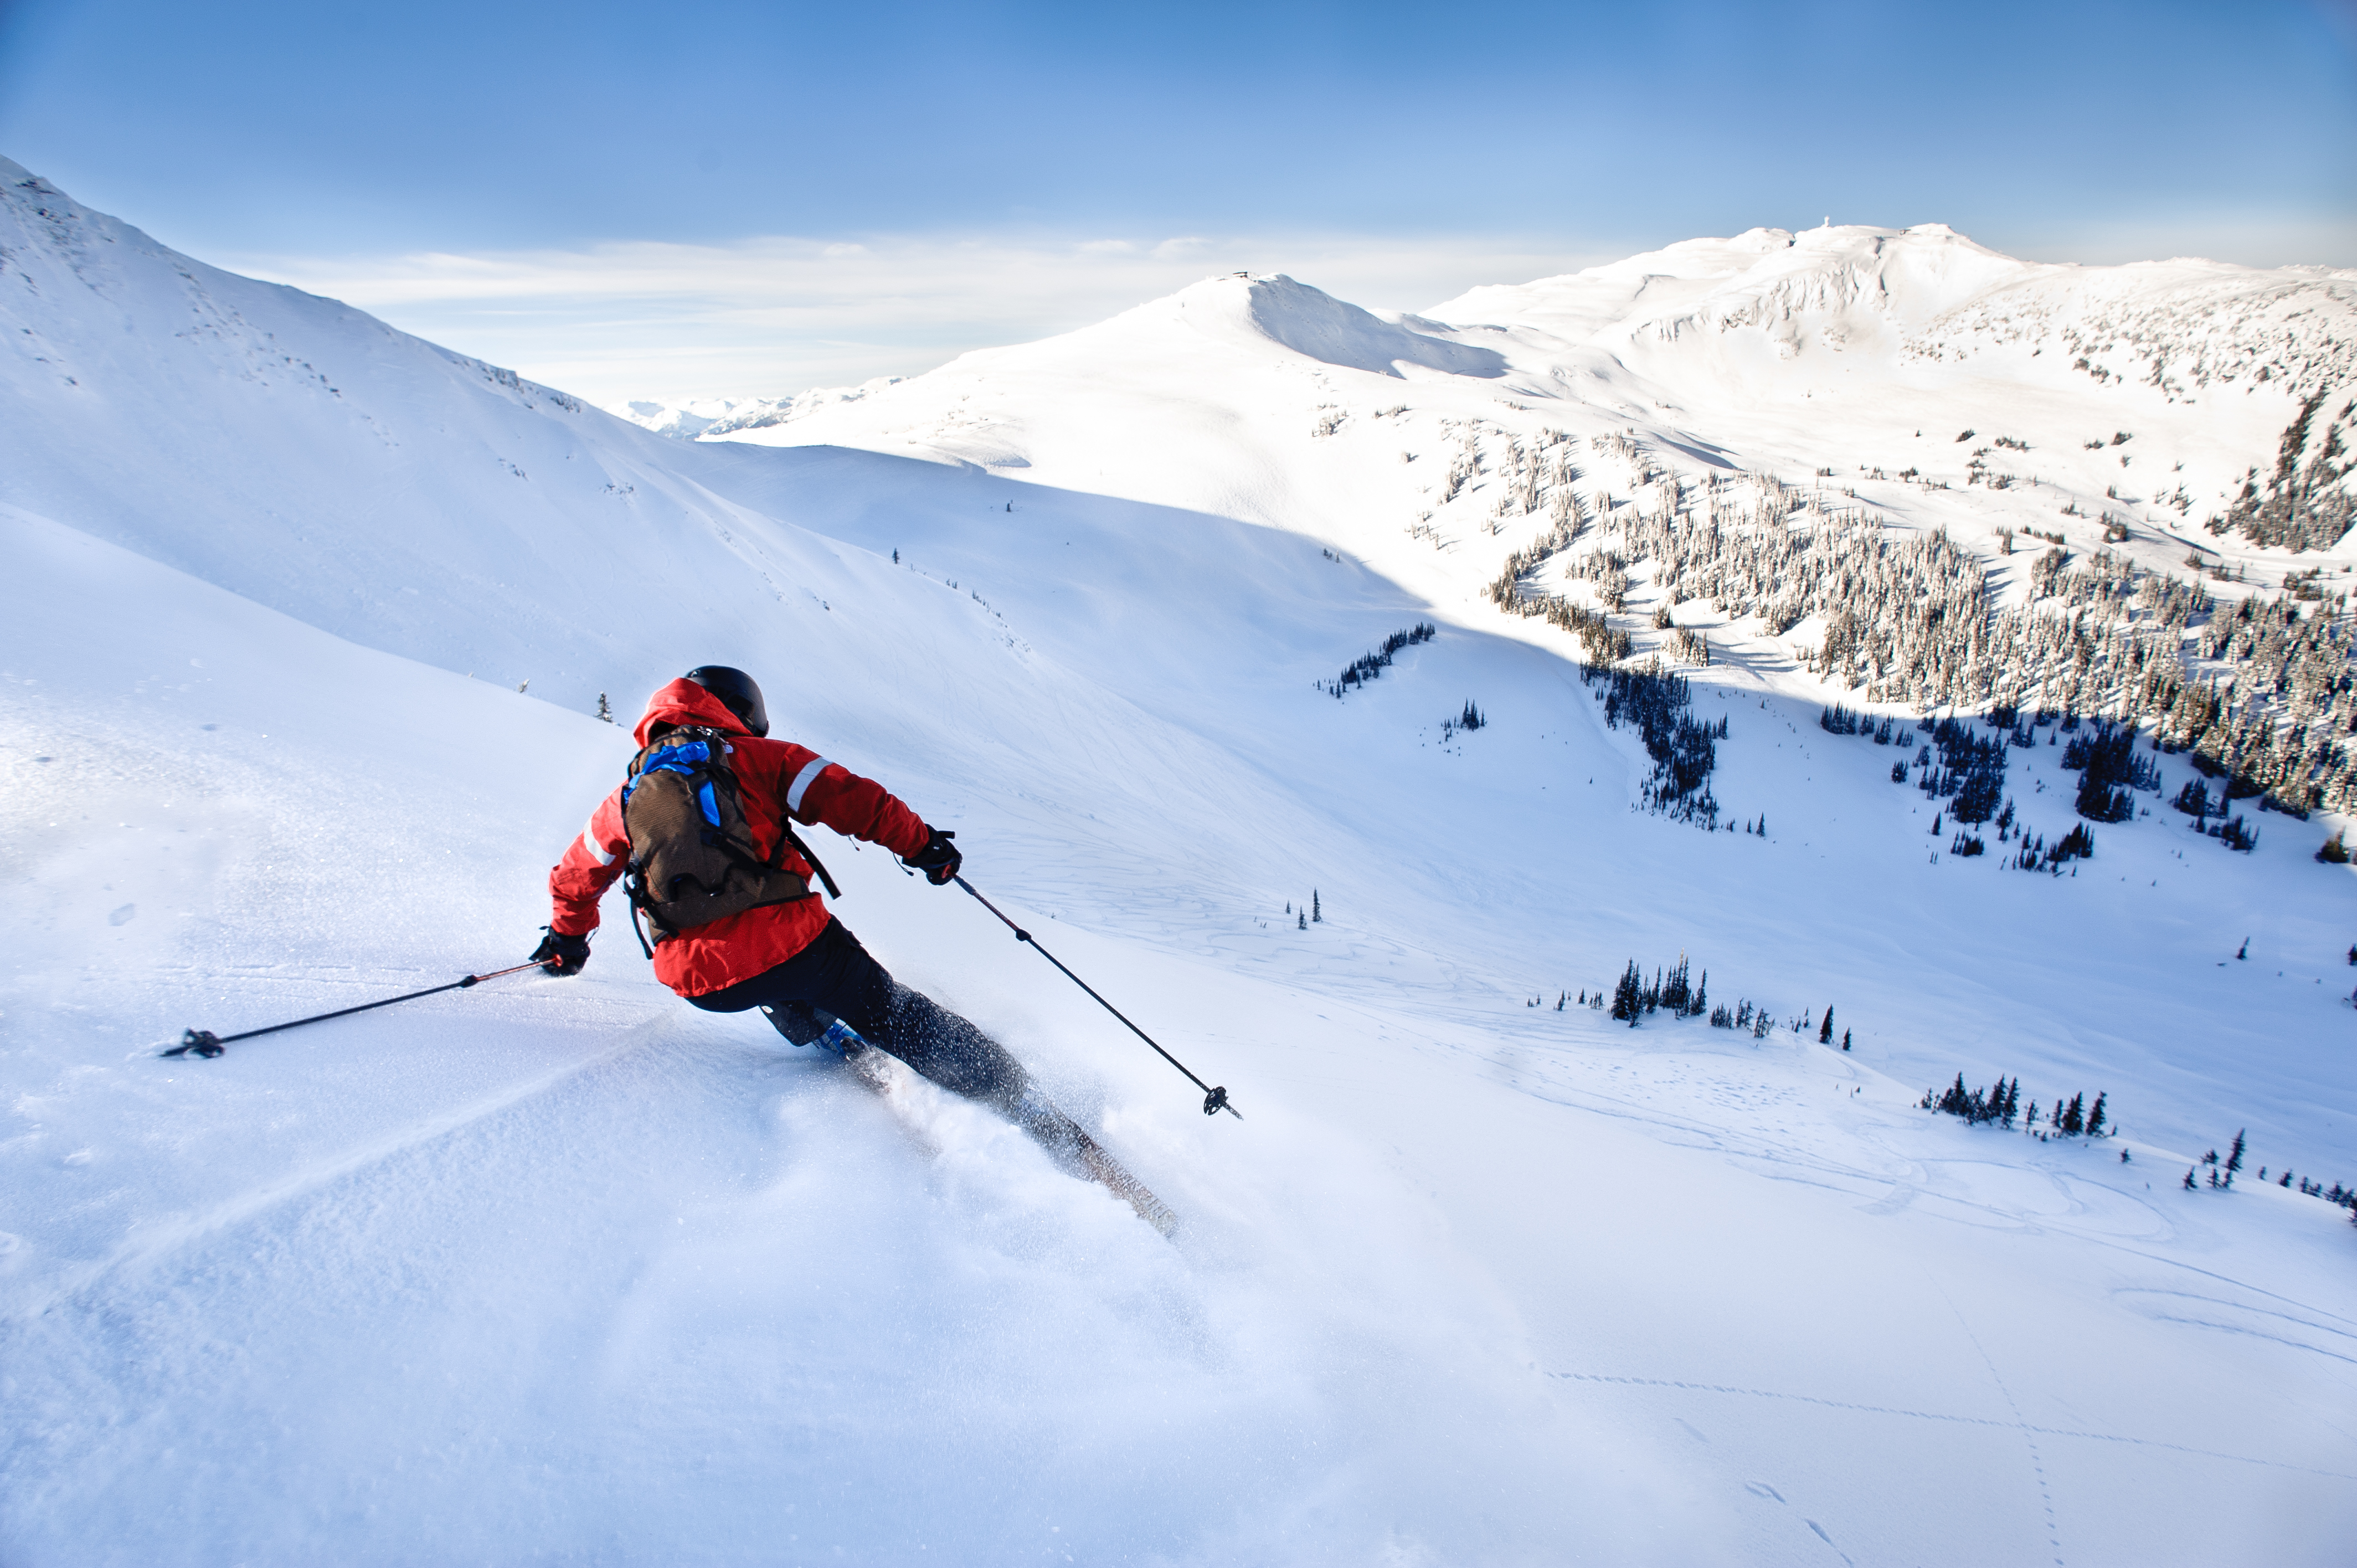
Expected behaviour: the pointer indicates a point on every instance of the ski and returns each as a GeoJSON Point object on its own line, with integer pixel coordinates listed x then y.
{"type": "Point", "coordinates": [1066, 1141]}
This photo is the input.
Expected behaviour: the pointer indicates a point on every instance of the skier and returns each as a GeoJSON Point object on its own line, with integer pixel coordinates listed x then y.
{"type": "Point", "coordinates": [777, 948]}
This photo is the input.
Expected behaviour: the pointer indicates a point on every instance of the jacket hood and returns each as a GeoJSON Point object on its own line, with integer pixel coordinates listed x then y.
{"type": "Point", "coordinates": [683, 703]}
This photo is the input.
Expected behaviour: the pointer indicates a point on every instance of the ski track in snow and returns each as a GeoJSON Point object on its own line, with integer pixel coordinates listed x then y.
{"type": "Point", "coordinates": [565, 1269]}
{"type": "Point", "coordinates": [165, 1237]}
{"type": "Point", "coordinates": [1939, 1415]}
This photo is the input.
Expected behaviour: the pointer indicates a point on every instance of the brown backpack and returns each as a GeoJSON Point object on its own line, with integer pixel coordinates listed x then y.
{"type": "Point", "coordinates": [693, 857]}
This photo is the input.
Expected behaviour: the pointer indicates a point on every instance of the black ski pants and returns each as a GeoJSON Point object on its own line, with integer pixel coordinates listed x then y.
{"type": "Point", "coordinates": [835, 978]}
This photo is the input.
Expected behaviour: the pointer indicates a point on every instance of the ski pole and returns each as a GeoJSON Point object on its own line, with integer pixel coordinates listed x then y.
{"type": "Point", "coordinates": [204, 1043]}
{"type": "Point", "coordinates": [1214, 1099]}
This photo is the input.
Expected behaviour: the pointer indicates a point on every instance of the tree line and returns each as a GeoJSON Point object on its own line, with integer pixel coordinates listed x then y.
{"type": "Point", "coordinates": [2259, 691]}
{"type": "Point", "coordinates": [1368, 666]}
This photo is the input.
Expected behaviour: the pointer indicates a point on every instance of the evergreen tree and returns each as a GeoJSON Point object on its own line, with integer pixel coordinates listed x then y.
{"type": "Point", "coordinates": [2032, 1120]}
{"type": "Point", "coordinates": [1316, 909]}
{"type": "Point", "coordinates": [1844, 1039]}
{"type": "Point", "coordinates": [1303, 922]}
{"type": "Point", "coordinates": [2234, 1156]}
{"type": "Point", "coordinates": [2095, 1117]}
{"type": "Point", "coordinates": [1628, 996]}
{"type": "Point", "coordinates": [1675, 993]}
{"type": "Point", "coordinates": [2189, 1179]}
{"type": "Point", "coordinates": [2056, 1123]}
{"type": "Point", "coordinates": [2074, 1119]}
{"type": "Point", "coordinates": [1825, 1030]}
{"type": "Point", "coordinates": [1701, 1002]}
{"type": "Point", "coordinates": [605, 711]}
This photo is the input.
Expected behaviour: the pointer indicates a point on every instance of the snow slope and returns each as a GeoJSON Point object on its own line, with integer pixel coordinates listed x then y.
{"type": "Point", "coordinates": [569, 1270]}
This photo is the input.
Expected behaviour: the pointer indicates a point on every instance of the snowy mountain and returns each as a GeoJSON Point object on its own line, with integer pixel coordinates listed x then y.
{"type": "Point", "coordinates": [568, 1269]}
{"type": "Point", "coordinates": [689, 419]}
{"type": "Point", "coordinates": [722, 416]}
{"type": "Point", "coordinates": [1828, 349]}
{"type": "Point", "coordinates": [1939, 323]}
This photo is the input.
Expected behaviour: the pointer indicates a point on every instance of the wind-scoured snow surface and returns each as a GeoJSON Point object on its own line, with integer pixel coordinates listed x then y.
{"type": "Point", "coordinates": [569, 1272]}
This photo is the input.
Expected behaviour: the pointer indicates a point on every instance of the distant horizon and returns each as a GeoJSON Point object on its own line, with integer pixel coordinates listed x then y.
{"type": "Point", "coordinates": [922, 304]}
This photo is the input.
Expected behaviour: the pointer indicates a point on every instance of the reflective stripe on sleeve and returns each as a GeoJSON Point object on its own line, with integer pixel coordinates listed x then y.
{"type": "Point", "coordinates": [802, 781]}
{"type": "Point", "coordinates": [589, 842]}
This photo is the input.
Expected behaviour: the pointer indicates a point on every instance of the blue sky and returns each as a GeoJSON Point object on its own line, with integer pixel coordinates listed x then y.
{"type": "Point", "coordinates": [349, 148]}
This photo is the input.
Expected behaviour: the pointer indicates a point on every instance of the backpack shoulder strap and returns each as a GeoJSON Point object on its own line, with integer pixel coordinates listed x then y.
{"type": "Point", "coordinates": [786, 835]}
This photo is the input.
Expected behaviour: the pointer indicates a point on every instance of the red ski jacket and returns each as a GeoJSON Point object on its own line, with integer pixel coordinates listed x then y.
{"type": "Point", "coordinates": [775, 777]}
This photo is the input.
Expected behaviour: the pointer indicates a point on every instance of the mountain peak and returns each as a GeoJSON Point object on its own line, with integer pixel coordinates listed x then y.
{"type": "Point", "coordinates": [1316, 325]}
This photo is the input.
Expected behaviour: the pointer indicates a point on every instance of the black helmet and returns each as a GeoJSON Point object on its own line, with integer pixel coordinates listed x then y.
{"type": "Point", "coordinates": [737, 693]}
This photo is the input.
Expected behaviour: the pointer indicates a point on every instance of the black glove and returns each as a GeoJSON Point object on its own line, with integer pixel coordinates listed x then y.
{"type": "Point", "coordinates": [939, 860]}
{"type": "Point", "coordinates": [561, 954]}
